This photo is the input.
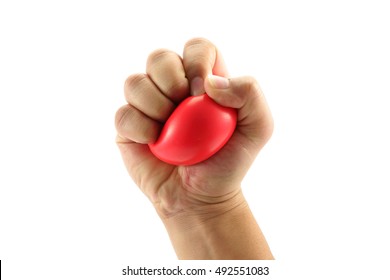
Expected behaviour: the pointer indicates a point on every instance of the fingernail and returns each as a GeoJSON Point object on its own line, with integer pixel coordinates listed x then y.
{"type": "Point", "coordinates": [197, 86]}
{"type": "Point", "coordinates": [218, 82]}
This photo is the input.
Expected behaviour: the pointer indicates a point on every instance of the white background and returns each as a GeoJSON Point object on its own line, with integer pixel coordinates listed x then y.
{"type": "Point", "coordinates": [319, 189]}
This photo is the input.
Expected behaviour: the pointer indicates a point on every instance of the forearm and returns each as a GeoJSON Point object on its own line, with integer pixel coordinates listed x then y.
{"type": "Point", "coordinates": [227, 231]}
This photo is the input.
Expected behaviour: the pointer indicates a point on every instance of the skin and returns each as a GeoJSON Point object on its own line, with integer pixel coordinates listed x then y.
{"type": "Point", "coordinates": [201, 206]}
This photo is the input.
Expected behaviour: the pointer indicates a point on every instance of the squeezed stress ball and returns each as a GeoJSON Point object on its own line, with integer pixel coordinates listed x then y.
{"type": "Point", "coordinates": [196, 130]}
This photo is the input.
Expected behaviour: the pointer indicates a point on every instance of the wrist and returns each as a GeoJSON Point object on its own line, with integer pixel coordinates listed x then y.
{"type": "Point", "coordinates": [203, 211]}
{"type": "Point", "coordinates": [225, 230]}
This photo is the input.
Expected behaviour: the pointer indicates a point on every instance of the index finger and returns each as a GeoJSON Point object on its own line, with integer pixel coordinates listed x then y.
{"type": "Point", "coordinates": [202, 58]}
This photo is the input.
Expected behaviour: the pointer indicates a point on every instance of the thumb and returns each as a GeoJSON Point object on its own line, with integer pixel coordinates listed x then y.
{"type": "Point", "coordinates": [254, 119]}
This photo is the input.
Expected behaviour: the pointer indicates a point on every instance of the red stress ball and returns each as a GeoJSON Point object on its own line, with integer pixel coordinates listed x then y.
{"type": "Point", "coordinates": [196, 130]}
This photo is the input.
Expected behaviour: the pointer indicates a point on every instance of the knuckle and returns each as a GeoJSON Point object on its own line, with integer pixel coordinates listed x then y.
{"type": "Point", "coordinates": [199, 57]}
{"type": "Point", "coordinates": [252, 87]}
{"type": "Point", "coordinates": [121, 116]}
{"type": "Point", "coordinates": [131, 124]}
{"type": "Point", "coordinates": [197, 41]}
{"type": "Point", "coordinates": [134, 80]}
{"type": "Point", "coordinates": [159, 55]}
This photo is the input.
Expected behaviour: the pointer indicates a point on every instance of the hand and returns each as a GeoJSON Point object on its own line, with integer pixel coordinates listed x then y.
{"type": "Point", "coordinates": [197, 193]}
